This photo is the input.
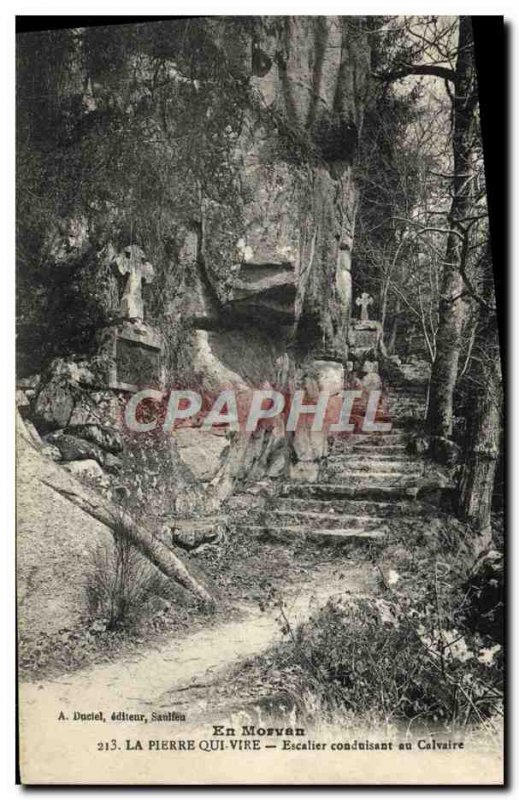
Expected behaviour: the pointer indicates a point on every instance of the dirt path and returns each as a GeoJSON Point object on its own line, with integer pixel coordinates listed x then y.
{"type": "Point", "coordinates": [106, 751]}
{"type": "Point", "coordinates": [140, 683]}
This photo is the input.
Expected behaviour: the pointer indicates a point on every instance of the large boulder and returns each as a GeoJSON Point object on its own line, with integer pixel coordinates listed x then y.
{"type": "Point", "coordinates": [111, 463]}
{"type": "Point", "coordinates": [297, 194]}
{"type": "Point", "coordinates": [191, 534]}
{"type": "Point", "coordinates": [324, 376]}
{"type": "Point", "coordinates": [309, 448]}
{"type": "Point", "coordinates": [203, 452]}
{"type": "Point", "coordinates": [106, 438]}
{"type": "Point", "coordinates": [76, 371]}
{"type": "Point", "coordinates": [30, 383]}
{"type": "Point", "coordinates": [54, 405]}
{"type": "Point", "coordinates": [72, 448]}
{"type": "Point", "coordinates": [59, 390]}
{"type": "Point", "coordinates": [56, 544]}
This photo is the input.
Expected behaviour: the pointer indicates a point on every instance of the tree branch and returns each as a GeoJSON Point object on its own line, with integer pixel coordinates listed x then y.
{"type": "Point", "coordinates": [445, 73]}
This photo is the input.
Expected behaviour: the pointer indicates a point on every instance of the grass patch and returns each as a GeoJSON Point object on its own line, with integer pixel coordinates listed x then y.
{"type": "Point", "coordinates": [426, 650]}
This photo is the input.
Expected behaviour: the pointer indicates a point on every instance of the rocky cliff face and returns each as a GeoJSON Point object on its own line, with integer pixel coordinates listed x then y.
{"type": "Point", "coordinates": [221, 152]}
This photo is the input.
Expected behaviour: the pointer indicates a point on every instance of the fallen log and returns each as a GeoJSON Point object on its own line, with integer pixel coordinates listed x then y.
{"type": "Point", "coordinates": [117, 520]}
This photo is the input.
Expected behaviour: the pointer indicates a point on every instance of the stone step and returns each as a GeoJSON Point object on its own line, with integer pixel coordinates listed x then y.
{"type": "Point", "coordinates": [378, 439]}
{"type": "Point", "coordinates": [374, 454]}
{"type": "Point", "coordinates": [354, 475]}
{"type": "Point", "coordinates": [347, 463]}
{"type": "Point", "coordinates": [405, 397]}
{"type": "Point", "coordinates": [404, 402]}
{"type": "Point", "coordinates": [397, 448]}
{"type": "Point", "coordinates": [368, 490]}
{"type": "Point", "coordinates": [332, 520]}
{"type": "Point", "coordinates": [336, 473]}
{"type": "Point", "coordinates": [399, 407]}
{"type": "Point", "coordinates": [376, 489]}
{"type": "Point", "coordinates": [351, 507]}
{"type": "Point", "coordinates": [418, 400]}
{"type": "Point", "coordinates": [392, 450]}
{"type": "Point", "coordinates": [338, 447]}
{"type": "Point", "coordinates": [286, 532]}
{"type": "Point", "coordinates": [403, 394]}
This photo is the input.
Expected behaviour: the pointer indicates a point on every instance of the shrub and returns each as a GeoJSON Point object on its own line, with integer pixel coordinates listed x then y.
{"type": "Point", "coordinates": [409, 655]}
{"type": "Point", "coordinates": [121, 584]}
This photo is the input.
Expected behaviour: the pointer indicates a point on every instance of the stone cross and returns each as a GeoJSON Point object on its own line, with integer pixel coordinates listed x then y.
{"type": "Point", "coordinates": [132, 263]}
{"type": "Point", "coordinates": [364, 301]}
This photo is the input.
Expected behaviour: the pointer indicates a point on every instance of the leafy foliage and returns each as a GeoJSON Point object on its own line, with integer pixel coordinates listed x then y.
{"type": "Point", "coordinates": [418, 653]}
{"type": "Point", "coordinates": [131, 129]}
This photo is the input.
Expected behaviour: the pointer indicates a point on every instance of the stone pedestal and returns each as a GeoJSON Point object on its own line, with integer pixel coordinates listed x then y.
{"type": "Point", "coordinates": [364, 335]}
{"type": "Point", "coordinates": [370, 376]}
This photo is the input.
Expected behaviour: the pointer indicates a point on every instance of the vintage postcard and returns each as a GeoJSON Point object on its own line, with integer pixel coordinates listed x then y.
{"type": "Point", "coordinates": [260, 468]}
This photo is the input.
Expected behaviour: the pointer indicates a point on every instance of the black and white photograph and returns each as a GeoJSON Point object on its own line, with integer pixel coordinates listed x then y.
{"type": "Point", "coordinates": [260, 428]}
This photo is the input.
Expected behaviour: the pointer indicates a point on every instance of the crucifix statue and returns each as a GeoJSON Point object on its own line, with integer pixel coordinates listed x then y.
{"type": "Point", "coordinates": [364, 301]}
{"type": "Point", "coordinates": [132, 263]}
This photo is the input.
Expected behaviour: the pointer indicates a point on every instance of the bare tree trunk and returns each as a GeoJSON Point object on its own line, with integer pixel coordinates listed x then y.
{"type": "Point", "coordinates": [477, 481]}
{"type": "Point", "coordinates": [484, 432]}
{"type": "Point", "coordinates": [452, 306]}
{"type": "Point", "coordinates": [394, 328]}
{"type": "Point", "coordinates": [383, 304]}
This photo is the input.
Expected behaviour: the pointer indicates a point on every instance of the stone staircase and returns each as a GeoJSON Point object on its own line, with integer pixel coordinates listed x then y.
{"type": "Point", "coordinates": [407, 404]}
{"type": "Point", "coordinates": [366, 480]}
